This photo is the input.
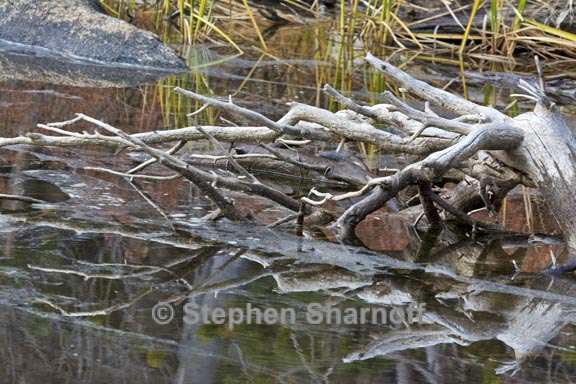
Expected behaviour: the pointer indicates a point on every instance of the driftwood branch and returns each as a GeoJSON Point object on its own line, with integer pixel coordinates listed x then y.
{"type": "Point", "coordinates": [25, 199]}
{"type": "Point", "coordinates": [497, 137]}
{"type": "Point", "coordinates": [437, 96]}
{"type": "Point", "coordinates": [207, 182]}
{"type": "Point", "coordinates": [483, 149]}
{"type": "Point", "coordinates": [194, 175]}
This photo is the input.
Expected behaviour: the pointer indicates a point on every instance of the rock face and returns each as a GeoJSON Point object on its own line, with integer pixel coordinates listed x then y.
{"type": "Point", "coordinates": [79, 28]}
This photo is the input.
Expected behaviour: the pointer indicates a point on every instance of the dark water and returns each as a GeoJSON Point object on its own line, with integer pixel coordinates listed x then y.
{"type": "Point", "coordinates": [81, 277]}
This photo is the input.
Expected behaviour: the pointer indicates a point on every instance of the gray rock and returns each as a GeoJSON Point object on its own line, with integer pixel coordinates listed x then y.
{"type": "Point", "coordinates": [80, 29]}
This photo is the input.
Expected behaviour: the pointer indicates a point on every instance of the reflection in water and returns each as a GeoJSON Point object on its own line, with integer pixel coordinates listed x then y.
{"type": "Point", "coordinates": [58, 263]}
{"type": "Point", "coordinates": [97, 249]}
{"type": "Point", "coordinates": [55, 267]}
{"type": "Point", "coordinates": [18, 62]}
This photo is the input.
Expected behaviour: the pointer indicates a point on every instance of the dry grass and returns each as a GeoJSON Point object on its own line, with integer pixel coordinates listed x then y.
{"type": "Point", "coordinates": [486, 29]}
{"type": "Point", "coordinates": [403, 30]}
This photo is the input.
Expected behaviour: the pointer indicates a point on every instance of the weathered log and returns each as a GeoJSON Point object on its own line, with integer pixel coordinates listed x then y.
{"type": "Point", "coordinates": [536, 149]}
{"type": "Point", "coordinates": [540, 145]}
{"type": "Point", "coordinates": [548, 156]}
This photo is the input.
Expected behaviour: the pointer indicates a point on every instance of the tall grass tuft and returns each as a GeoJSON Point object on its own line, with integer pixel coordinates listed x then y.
{"type": "Point", "coordinates": [376, 24]}
{"type": "Point", "coordinates": [488, 31]}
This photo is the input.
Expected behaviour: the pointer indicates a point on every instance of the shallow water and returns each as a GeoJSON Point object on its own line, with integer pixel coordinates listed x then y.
{"type": "Point", "coordinates": [81, 277]}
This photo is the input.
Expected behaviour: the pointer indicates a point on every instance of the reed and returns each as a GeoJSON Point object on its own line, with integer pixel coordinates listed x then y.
{"type": "Point", "coordinates": [484, 31]}
{"type": "Point", "coordinates": [377, 24]}
{"type": "Point", "coordinates": [182, 21]}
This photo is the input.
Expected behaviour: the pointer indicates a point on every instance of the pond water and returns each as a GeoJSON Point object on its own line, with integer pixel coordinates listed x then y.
{"type": "Point", "coordinates": [82, 276]}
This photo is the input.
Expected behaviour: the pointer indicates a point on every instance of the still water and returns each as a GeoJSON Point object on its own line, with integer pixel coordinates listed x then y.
{"type": "Point", "coordinates": [80, 277]}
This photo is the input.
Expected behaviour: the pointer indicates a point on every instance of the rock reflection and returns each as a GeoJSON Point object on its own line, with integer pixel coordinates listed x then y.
{"type": "Point", "coordinates": [18, 62]}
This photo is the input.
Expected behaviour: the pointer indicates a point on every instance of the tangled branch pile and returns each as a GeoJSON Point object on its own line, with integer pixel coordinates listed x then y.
{"type": "Point", "coordinates": [488, 151]}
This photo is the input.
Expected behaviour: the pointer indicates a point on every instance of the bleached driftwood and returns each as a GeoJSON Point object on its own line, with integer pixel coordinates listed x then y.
{"type": "Point", "coordinates": [481, 144]}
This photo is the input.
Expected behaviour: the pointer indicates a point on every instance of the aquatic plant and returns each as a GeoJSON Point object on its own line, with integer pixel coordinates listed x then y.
{"type": "Point", "coordinates": [481, 29]}
{"type": "Point", "coordinates": [481, 34]}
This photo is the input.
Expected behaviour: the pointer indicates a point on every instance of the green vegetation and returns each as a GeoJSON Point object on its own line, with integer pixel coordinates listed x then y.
{"type": "Point", "coordinates": [491, 34]}
{"type": "Point", "coordinates": [484, 27]}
